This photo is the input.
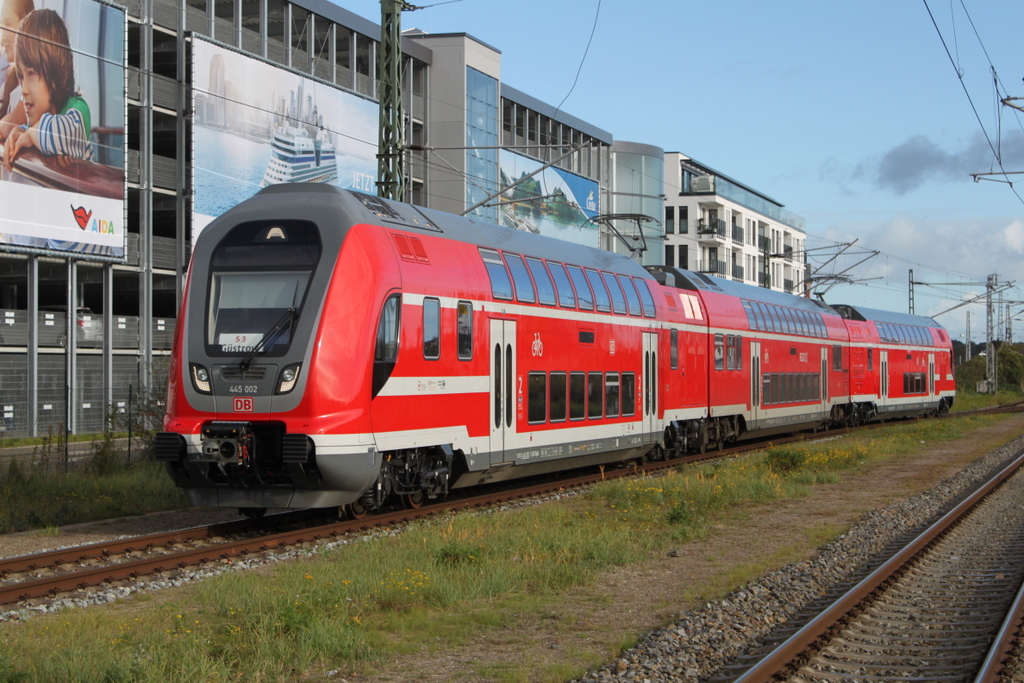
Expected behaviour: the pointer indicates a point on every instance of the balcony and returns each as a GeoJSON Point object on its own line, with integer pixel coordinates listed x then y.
{"type": "Point", "coordinates": [764, 243]}
{"type": "Point", "coordinates": [737, 272]}
{"type": "Point", "coordinates": [788, 253]}
{"type": "Point", "coordinates": [763, 280]}
{"type": "Point", "coordinates": [788, 284]}
{"type": "Point", "coordinates": [712, 267]}
{"type": "Point", "coordinates": [737, 233]}
{"type": "Point", "coordinates": [711, 229]}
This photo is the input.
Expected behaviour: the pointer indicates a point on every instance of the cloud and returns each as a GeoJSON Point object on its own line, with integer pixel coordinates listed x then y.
{"type": "Point", "coordinates": [918, 161]}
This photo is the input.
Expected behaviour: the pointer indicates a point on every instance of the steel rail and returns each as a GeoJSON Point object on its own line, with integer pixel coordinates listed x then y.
{"type": "Point", "coordinates": [783, 655]}
{"type": "Point", "coordinates": [135, 568]}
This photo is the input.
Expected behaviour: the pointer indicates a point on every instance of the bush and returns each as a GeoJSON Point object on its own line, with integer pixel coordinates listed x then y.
{"type": "Point", "coordinates": [784, 460]}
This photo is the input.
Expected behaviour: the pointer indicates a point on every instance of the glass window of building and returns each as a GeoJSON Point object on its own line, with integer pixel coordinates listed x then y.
{"type": "Point", "coordinates": [322, 32]}
{"type": "Point", "coordinates": [276, 12]}
{"type": "Point", "coordinates": [343, 57]}
{"type": "Point", "coordinates": [224, 21]}
{"type": "Point", "coordinates": [481, 134]}
{"type": "Point", "coordinates": [251, 39]}
{"type": "Point", "coordinates": [364, 64]}
{"type": "Point", "coordinates": [302, 21]}
{"type": "Point", "coordinates": [196, 16]}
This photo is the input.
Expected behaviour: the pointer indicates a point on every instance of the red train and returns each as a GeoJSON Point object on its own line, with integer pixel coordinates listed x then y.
{"type": "Point", "coordinates": [339, 349]}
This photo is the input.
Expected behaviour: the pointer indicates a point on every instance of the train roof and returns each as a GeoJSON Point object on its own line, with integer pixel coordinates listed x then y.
{"type": "Point", "coordinates": [687, 279]}
{"type": "Point", "coordinates": [877, 315]}
{"type": "Point", "coordinates": [367, 208]}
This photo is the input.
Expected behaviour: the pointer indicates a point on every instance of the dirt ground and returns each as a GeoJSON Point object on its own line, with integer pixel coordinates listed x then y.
{"type": "Point", "coordinates": [587, 626]}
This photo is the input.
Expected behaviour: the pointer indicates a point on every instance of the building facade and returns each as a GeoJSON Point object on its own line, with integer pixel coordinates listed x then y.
{"type": "Point", "coordinates": [715, 225]}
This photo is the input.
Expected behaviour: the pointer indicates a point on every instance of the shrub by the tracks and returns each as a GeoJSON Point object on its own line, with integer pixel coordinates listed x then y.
{"type": "Point", "coordinates": [437, 584]}
{"type": "Point", "coordinates": [33, 498]}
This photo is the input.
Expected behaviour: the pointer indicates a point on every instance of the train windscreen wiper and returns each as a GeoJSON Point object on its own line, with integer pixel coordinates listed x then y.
{"type": "Point", "coordinates": [282, 324]}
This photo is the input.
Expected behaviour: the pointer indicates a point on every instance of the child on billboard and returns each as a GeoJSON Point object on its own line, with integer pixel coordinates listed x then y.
{"type": "Point", "coordinates": [57, 120]}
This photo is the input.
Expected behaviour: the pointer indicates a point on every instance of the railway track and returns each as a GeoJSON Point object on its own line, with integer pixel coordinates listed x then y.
{"type": "Point", "coordinates": [944, 608]}
{"type": "Point", "coordinates": [59, 572]}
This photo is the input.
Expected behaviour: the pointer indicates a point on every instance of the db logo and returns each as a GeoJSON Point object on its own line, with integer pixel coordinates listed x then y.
{"type": "Point", "coordinates": [242, 404]}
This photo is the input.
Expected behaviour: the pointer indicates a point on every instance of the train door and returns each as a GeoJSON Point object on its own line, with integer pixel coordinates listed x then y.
{"type": "Point", "coordinates": [824, 378]}
{"type": "Point", "coordinates": [650, 387]}
{"type": "Point", "coordinates": [755, 382]}
{"type": "Point", "coordinates": [883, 369]}
{"type": "Point", "coordinates": [931, 374]}
{"type": "Point", "coordinates": [503, 389]}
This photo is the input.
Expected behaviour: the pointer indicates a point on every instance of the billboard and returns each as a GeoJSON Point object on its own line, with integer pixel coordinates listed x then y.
{"type": "Point", "coordinates": [554, 202]}
{"type": "Point", "coordinates": [62, 94]}
{"type": "Point", "coordinates": [257, 124]}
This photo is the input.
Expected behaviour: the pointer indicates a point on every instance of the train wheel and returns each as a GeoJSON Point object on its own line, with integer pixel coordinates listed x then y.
{"type": "Point", "coordinates": [413, 500]}
{"type": "Point", "coordinates": [355, 511]}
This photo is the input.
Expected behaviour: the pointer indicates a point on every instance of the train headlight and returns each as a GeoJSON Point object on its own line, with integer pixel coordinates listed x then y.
{"type": "Point", "coordinates": [200, 378]}
{"type": "Point", "coordinates": [287, 378]}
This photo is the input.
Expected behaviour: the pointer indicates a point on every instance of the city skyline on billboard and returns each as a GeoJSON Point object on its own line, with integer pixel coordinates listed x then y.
{"type": "Point", "coordinates": [62, 189]}
{"type": "Point", "coordinates": [258, 124]}
{"type": "Point", "coordinates": [554, 202]}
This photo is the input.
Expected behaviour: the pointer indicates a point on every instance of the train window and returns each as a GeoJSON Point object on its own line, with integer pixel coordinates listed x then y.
{"type": "Point", "coordinates": [431, 329]}
{"type": "Point", "coordinates": [545, 288]}
{"type": "Point", "coordinates": [577, 396]}
{"type": "Point", "coordinates": [673, 348]}
{"type": "Point", "coordinates": [465, 330]}
{"type": "Point", "coordinates": [583, 294]}
{"type": "Point", "coordinates": [755, 311]}
{"type": "Point", "coordinates": [566, 297]}
{"type": "Point", "coordinates": [556, 393]}
{"type": "Point", "coordinates": [520, 278]}
{"type": "Point", "coordinates": [788, 324]}
{"type": "Point", "coordinates": [871, 360]}
{"type": "Point", "coordinates": [632, 300]}
{"type": "Point", "coordinates": [586, 336]}
{"type": "Point", "coordinates": [385, 352]}
{"type": "Point", "coordinates": [837, 358]}
{"type": "Point", "coordinates": [501, 284]}
{"type": "Point", "coordinates": [628, 393]}
{"type": "Point", "coordinates": [604, 303]}
{"type": "Point", "coordinates": [646, 298]}
{"type": "Point", "coordinates": [805, 323]}
{"type": "Point", "coordinates": [719, 352]}
{"type": "Point", "coordinates": [769, 317]}
{"type": "Point", "coordinates": [766, 388]}
{"type": "Point", "coordinates": [730, 352]}
{"type": "Point", "coordinates": [618, 300]}
{"type": "Point", "coordinates": [611, 394]}
{"type": "Point", "coordinates": [738, 341]}
{"type": "Point", "coordinates": [537, 394]}
{"type": "Point", "coordinates": [750, 314]}
{"type": "Point", "coordinates": [595, 396]}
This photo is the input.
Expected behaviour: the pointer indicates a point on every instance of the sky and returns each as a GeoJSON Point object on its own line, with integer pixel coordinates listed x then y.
{"type": "Point", "coordinates": [851, 114]}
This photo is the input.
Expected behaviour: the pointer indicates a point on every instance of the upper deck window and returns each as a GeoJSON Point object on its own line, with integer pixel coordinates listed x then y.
{"type": "Point", "coordinates": [566, 297]}
{"type": "Point", "coordinates": [501, 284]}
{"type": "Point", "coordinates": [545, 288]}
{"type": "Point", "coordinates": [520, 278]}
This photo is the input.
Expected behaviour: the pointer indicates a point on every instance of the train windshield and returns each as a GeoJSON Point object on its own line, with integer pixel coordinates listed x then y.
{"type": "Point", "coordinates": [260, 273]}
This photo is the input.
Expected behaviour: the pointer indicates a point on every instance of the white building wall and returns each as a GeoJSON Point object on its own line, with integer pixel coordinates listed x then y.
{"type": "Point", "coordinates": [713, 234]}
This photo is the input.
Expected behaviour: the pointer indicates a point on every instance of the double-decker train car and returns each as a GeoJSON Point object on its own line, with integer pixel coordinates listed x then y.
{"type": "Point", "coordinates": [338, 349]}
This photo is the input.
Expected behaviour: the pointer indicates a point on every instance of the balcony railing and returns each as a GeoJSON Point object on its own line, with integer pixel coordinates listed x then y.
{"type": "Point", "coordinates": [737, 233]}
{"type": "Point", "coordinates": [714, 227]}
{"type": "Point", "coordinates": [763, 280]}
{"type": "Point", "coordinates": [788, 253]}
{"type": "Point", "coordinates": [712, 266]}
{"type": "Point", "coordinates": [788, 284]}
{"type": "Point", "coordinates": [764, 243]}
{"type": "Point", "coordinates": [737, 272]}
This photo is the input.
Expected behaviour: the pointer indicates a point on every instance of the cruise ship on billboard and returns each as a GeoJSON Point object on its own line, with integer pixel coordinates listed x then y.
{"type": "Point", "coordinates": [302, 151]}
{"type": "Point", "coordinates": [299, 158]}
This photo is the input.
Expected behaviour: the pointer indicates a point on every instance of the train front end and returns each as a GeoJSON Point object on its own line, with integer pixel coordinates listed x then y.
{"type": "Point", "coordinates": [244, 413]}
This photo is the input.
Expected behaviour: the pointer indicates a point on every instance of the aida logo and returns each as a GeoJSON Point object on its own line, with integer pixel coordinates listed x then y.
{"type": "Point", "coordinates": [89, 224]}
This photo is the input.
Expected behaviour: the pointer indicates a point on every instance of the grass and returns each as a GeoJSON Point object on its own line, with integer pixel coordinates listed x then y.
{"type": "Point", "coordinates": [969, 400]}
{"type": "Point", "coordinates": [443, 583]}
{"type": "Point", "coordinates": [36, 498]}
